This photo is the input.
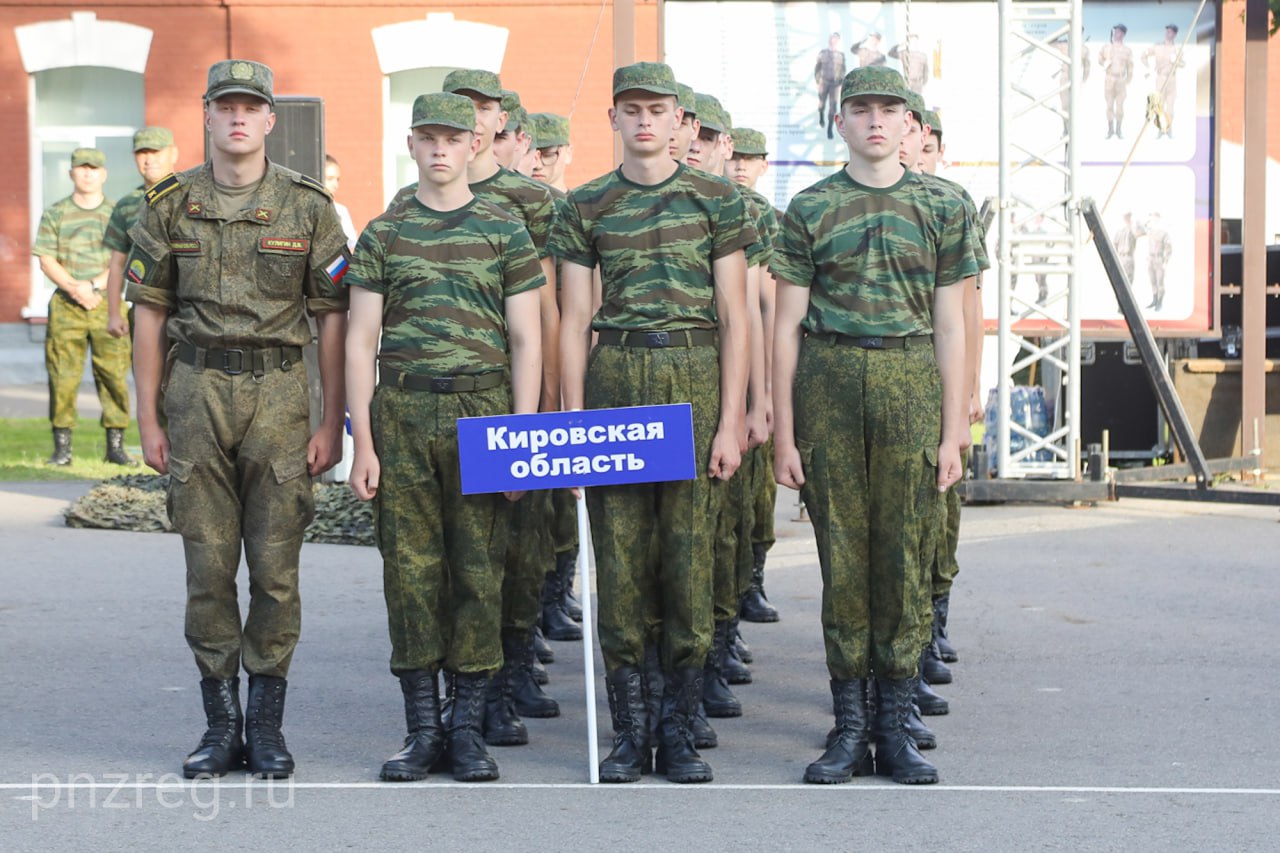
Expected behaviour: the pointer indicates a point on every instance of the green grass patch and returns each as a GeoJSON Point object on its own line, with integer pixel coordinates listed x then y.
{"type": "Point", "coordinates": [26, 443]}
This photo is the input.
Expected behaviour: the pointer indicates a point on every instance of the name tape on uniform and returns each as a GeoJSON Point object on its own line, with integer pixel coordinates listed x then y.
{"type": "Point", "coordinates": [591, 447]}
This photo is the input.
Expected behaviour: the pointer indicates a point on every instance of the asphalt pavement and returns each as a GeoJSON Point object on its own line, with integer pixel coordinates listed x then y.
{"type": "Point", "coordinates": [1113, 693]}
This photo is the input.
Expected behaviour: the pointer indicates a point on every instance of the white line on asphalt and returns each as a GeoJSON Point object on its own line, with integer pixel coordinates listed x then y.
{"type": "Point", "coordinates": [400, 786]}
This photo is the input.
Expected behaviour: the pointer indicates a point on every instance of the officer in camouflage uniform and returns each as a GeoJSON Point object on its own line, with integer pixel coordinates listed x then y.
{"type": "Point", "coordinates": [515, 692]}
{"type": "Point", "coordinates": [156, 157]}
{"type": "Point", "coordinates": [69, 246]}
{"type": "Point", "coordinates": [748, 163]}
{"type": "Point", "coordinates": [445, 285]}
{"type": "Point", "coordinates": [672, 328]}
{"type": "Point", "coordinates": [869, 413]}
{"type": "Point", "coordinates": [828, 71]}
{"type": "Point", "coordinates": [226, 258]}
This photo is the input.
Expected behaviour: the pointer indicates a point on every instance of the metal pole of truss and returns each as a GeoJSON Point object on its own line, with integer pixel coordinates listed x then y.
{"type": "Point", "coordinates": [1040, 231]}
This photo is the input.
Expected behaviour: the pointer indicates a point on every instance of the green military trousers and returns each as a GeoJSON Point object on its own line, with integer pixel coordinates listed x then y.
{"type": "Point", "coordinates": [654, 543]}
{"type": "Point", "coordinates": [442, 551]}
{"type": "Point", "coordinates": [238, 473]}
{"type": "Point", "coordinates": [530, 555]}
{"type": "Point", "coordinates": [756, 524]}
{"type": "Point", "coordinates": [867, 424]}
{"type": "Point", "coordinates": [71, 331]}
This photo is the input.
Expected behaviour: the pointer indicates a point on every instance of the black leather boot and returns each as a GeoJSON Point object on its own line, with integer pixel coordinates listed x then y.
{"type": "Point", "coordinates": [654, 686]}
{"type": "Point", "coordinates": [222, 747]}
{"type": "Point", "coordinates": [755, 606]}
{"type": "Point", "coordinates": [115, 450]}
{"type": "Point", "coordinates": [931, 704]}
{"type": "Point", "coordinates": [425, 741]}
{"type": "Point", "coordinates": [848, 751]}
{"type": "Point", "coordinates": [542, 648]}
{"type": "Point", "coordinates": [566, 567]}
{"type": "Point", "coordinates": [556, 624]}
{"type": "Point", "coordinates": [61, 447]}
{"type": "Point", "coordinates": [631, 756]}
{"type": "Point", "coordinates": [941, 610]}
{"type": "Point", "coordinates": [740, 645]}
{"type": "Point", "coordinates": [704, 736]}
{"type": "Point", "coordinates": [264, 747]}
{"type": "Point", "coordinates": [502, 723]}
{"type": "Point", "coordinates": [896, 752]}
{"type": "Point", "coordinates": [539, 672]}
{"type": "Point", "coordinates": [735, 668]}
{"type": "Point", "coordinates": [676, 755]}
{"type": "Point", "coordinates": [932, 669]}
{"type": "Point", "coordinates": [920, 733]}
{"type": "Point", "coordinates": [717, 698]}
{"type": "Point", "coordinates": [471, 761]}
{"type": "Point", "coordinates": [527, 696]}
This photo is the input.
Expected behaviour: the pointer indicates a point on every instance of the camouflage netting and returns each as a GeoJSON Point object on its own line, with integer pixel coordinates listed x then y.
{"type": "Point", "coordinates": [136, 502]}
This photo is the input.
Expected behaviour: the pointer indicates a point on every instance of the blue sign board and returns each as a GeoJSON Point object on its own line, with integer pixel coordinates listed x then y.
{"type": "Point", "coordinates": [590, 447]}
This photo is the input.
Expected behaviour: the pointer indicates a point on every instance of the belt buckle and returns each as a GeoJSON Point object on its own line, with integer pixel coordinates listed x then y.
{"type": "Point", "coordinates": [658, 339]}
{"type": "Point", "coordinates": [441, 384]}
{"type": "Point", "coordinates": [871, 343]}
{"type": "Point", "coordinates": [226, 362]}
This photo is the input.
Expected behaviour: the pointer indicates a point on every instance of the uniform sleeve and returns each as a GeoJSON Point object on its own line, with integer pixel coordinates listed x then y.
{"type": "Point", "coordinates": [149, 275]}
{"type": "Point", "coordinates": [402, 195]}
{"type": "Point", "coordinates": [955, 246]}
{"type": "Point", "coordinates": [793, 252]}
{"type": "Point", "coordinates": [368, 265]}
{"type": "Point", "coordinates": [979, 238]}
{"type": "Point", "coordinates": [117, 236]}
{"type": "Point", "coordinates": [569, 238]}
{"type": "Point", "coordinates": [521, 269]}
{"type": "Point", "coordinates": [46, 245]}
{"type": "Point", "coordinates": [329, 262]}
{"type": "Point", "coordinates": [540, 219]}
{"type": "Point", "coordinates": [733, 227]}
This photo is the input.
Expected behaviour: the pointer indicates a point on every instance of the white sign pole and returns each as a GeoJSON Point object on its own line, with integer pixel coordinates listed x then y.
{"type": "Point", "coordinates": [588, 643]}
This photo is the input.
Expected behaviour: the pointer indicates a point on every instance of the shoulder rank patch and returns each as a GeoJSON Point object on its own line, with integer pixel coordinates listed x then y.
{"type": "Point", "coordinates": [308, 181]}
{"type": "Point", "coordinates": [162, 188]}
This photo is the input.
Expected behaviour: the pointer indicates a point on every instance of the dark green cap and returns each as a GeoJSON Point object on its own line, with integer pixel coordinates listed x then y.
{"type": "Point", "coordinates": [240, 76]}
{"type": "Point", "coordinates": [748, 141]}
{"type": "Point", "coordinates": [934, 121]}
{"type": "Point", "coordinates": [510, 102]}
{"type": "Point", "coordinates": [444, 109]}
{"type": "Point", "coordinates": [483, 83]}
{"type": "Point", "coordinates": [686, 99]}
{"type": "Point", "coordinates": [551, 129]}
{"type": "Point", "coordinates": [874, 80]}
{"type": "Point", "coordinates": [517, 119]}
{"type": "Point", "coordinates": [654, 77]}
{"type": "Point", "coordinates": [152, 139]}
{"type": "Point", "coordinates": [915, 104]}
{"type": "Point", "coordinates": [88, 157]}
{"type": "Point", "coordinates": [710, 113]}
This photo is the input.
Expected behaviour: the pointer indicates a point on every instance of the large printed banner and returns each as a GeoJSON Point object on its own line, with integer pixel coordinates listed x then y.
{"type": "Point", "coordinates": [776, 68]}
{"type": "Point", "coordinates": [591, 447]}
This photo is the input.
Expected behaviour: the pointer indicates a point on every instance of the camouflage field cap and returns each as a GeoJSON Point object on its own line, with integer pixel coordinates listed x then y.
{"type": "Point", "coordinates": [551, 129]}
{"type": "Point", "coordinates": [934, 120]}
{"type": "Point", "coordinates": [152, 139]}
{"type": "Point", "coordinates": [240, 76]}
{"type": "Point", "coordinates": [686, 100]}
{"type": "Point", "coordinates": [510, 101]}
{"type": "Point", "coordinates": [874, 80]}
{"type": "Point", "coordinates": [654, 77]}
{"type": "Point", "coordinates": [748, 141]}
{"type": "Point", "coordinates": [483, 83]}
{"type": "Point", "coordinates": [88, 157]}
{"type": "Point", "coordinates": [444, 109]}
{"type": "Point", "coordinates": [915, 105]}
{"type": "Point", "coordinates": [710, 113]}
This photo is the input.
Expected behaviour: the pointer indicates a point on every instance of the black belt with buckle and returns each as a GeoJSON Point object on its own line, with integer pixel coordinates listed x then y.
{"type": "Point", "coordinates": [652, 340]}
{"type": "Point", "coordinates": [234, 361]}
{"type": "Point", "coordinates": [873, 341]}
{"type": "Point", "coordinates": [440, 384]}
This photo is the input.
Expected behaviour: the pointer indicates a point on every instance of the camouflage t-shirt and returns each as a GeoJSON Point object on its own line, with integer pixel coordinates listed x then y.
{"type": "Point", "coordinates": [769, 216]}
{"type": "Point", "coordinates": [528, 200]}
{"type": "Point", "coordinates": [444, 278]}
{"type": "Point", "coordinates": [872, 257]}
{"type": "Point", "coordinates": [655, 246]}
{"type": "Point", "coordinates": [72, 236]}
{"type": "Point", "coordinates": [122, 219]}
{"type": "Point", "coordinates": [979, 238]}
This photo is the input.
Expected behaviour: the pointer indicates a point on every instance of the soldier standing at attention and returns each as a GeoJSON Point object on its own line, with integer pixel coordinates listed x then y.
{"type": "Point", "coordinates": [1126, 242]}
{"type": "Point", "coordinates": [448, 284]}
{"type": "Point", "coordinates": [1116, 60]}
{"type": "Point", "coordinates": [72, 256]}
{"type": "Point", "coordinates": [828, 71]}
{"type": "Point", "coordinates": [688, 128]}
{"type": "Point", "coordinates": [555, 153]}
{"type": "Point", "coordinates": [226, 258]}
{"type": "Point", "coordinates": [1165, 85]}
{"type": "Point", "coordinates": [1159, 250]}
{"type": "Point", "coordinates": [869, 410]}
{"type": "Point", "coordinates": [512, 143]}
{"type": "Point", "coordinates": [156, 157]}
{"type": "Point", "coordinates": [672, 328]}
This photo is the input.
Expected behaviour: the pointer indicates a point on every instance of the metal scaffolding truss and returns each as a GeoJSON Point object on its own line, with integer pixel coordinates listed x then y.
{"type": "Point", "coordinates": [1040, 231]}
